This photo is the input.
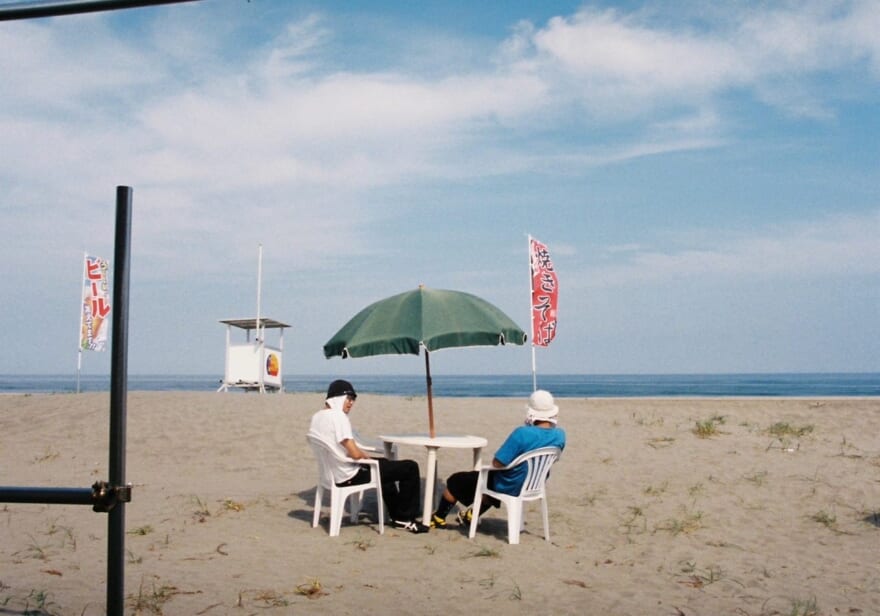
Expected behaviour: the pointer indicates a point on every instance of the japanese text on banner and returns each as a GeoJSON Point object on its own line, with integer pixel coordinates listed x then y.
{"type": "Point", "coordinates": [545, 293]}
{"type": "Point", "coordinates": [95, 305]}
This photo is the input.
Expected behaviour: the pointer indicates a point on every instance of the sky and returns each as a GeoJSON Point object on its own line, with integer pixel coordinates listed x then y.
{"type": "Point", "coordinates": [704, 175]}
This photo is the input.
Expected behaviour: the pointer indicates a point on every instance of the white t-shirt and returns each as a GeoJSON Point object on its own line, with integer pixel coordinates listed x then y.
{"type": "Point", "coordinates": [333, 426]}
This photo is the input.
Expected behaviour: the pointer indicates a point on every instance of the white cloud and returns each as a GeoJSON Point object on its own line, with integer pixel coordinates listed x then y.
{"type": "Point", "coordinates": [606, 49]}
{"type": "Point", "coordinates": [624, 64]}
{"type": "Point", "coordinates": [73, 69]}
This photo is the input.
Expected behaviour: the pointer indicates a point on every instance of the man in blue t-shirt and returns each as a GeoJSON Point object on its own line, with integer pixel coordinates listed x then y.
{"type": "Point", "coordinates": [540, 430]}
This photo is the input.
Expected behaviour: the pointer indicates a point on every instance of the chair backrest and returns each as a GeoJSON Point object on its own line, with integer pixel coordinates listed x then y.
{"type": "Point", "coordinates": [324, 454]}
{"type": "Point", "coordinates": [538, 462]}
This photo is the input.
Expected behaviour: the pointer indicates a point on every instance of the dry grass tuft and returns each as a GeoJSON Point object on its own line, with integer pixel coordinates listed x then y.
{"type": "Point", "coordinates": [312, 589]}
{"type": "Point", "coordinates": [691, 522]}
{"type": "Point", "coordinates": [152, 600]}
{"type": "Point", "coordinates": [231, 505]}
{"type": "Point", "coordinates": [484, 552]}
{"type": "Point", "coordinates": [709, 427]}
{"type": "Point", "coordinates": [141, 530]}
{"type": "Point", "coordinates": [47, 455]}
{"type": "Point", "coordinates": [783, 429]}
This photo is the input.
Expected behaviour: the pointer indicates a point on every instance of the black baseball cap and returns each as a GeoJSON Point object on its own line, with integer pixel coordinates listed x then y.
{"type": "Point", "coordinates": [340, 387]}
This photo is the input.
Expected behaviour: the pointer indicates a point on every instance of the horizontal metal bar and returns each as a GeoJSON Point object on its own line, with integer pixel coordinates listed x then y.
{"type": "Point", "coordinates": [50, 8]}
{"type": "Point", "coordinates": [51, 496]}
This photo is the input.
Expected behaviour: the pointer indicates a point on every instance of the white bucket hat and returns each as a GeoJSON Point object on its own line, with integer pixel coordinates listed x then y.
{"type": "Point", "coordinates": [541, 406]}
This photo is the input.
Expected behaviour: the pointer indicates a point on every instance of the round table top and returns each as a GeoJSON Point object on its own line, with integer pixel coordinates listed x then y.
{"type": "Point", "coordinates": [462, 441]}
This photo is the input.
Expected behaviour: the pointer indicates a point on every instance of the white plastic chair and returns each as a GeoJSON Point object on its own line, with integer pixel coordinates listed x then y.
{"type": "Point", "coordinates": [539, 462]}
{"type": "Point", "coordinates": [325, 453]}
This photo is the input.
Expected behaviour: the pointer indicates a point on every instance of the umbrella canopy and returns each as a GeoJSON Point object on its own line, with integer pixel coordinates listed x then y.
{"type": "Point", "coordinates": [430, 318]}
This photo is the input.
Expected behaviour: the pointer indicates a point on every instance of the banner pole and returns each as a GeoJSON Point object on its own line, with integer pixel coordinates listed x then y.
{"type": "Point", "coordinates": [260, 338]}
{"type": "Point", "coordinates": [79, 352]}
{"type": "Point", "coordinates": [532, 316]}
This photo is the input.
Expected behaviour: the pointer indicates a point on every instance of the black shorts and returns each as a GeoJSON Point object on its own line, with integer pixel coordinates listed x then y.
{"type": "Point", "coordinates": [362, 476]}
{"type": "Point", "coordinates": [463, 486]}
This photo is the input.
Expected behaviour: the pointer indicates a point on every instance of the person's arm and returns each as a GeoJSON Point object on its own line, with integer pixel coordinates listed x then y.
{"type": "Point", "coordinates": [497, 464]}
{"type": "Point", "coordinates": [352, 450]}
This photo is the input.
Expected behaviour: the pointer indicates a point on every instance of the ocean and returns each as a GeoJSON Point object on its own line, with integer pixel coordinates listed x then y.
{"type": "Point", "coordinates": [467, 386]}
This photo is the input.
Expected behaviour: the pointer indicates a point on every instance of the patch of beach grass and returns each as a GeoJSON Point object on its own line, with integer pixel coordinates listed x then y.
{"type": "Point", "coordinates": [828, 520]}
{"type": "Point", "coordinates": [312, 589]}
{"type": "Point", "coordinates": [231, 505]}
{"type": "Point", "coordinates": [38, 602]}
{"type": "Point", "coordinates": [484, 552]}
{"type": "Point", "coordinates": [515, 592]}
{"type": "Point", "coordinates": [804, 607]}
{"type": "Point", "coordinates": [152, 599]}
{"type": "Point", "coordinates": [266, 599]}
{"type": "Point", "coordinates": [660, 442]}
{"type": "Point", "coordinates": [824, 518]}
{"type": "Point", "coordinates": [490, 583]}
{"type": "Point", "coordinates": [696, 490]}
{"type": "Point", "coordinates": [690, 522]}
{"type": "Point", "coordinates": [708, 428]}
{"type": "Point", "coordinates": [47, 455]}
{"type": "Point", "coordinates": [202, 512]}
{"type": "Point", "coordinates": [141, 530]}
{"type": "Point", "coordinates": [362, 544]}
{"type": "Point", "coordinates": [698, 578]}
{"type": "Point", "coordinates": [758, 478]}
{"type": "Point", "coordinates": [782, 429]}
{"type": "Point", "coordinates": [588, 500]}
{"type": "Point", "coordinates": [657, 490]}
{"type": "Point", "coordinates": [37, 550]}
{"type": "Point", "coordinates": [635, 521]}
{"type": "Point", "coordinates": [272, 598]}
{"type": "Point", "coordinates": [66, 533]}
{"type": "Point", "coordinates": [847, 450]}
{"type": "Point", "coordinates": [647, 421]}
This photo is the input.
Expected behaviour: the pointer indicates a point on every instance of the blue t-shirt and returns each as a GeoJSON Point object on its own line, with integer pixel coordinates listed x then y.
{"type": "Point", "coordinates": [521, 440]}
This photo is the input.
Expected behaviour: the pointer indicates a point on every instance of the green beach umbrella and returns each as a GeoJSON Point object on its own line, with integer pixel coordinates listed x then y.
{"type": "Point", "coordinates": [430, 318]}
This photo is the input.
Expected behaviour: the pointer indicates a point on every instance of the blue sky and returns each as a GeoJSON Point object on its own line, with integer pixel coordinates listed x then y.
{"type": "Point", "coordinates": [705, 177]}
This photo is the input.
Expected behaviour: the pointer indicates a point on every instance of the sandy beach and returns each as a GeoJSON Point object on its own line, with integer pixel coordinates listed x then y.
{"type": "Point", "coordinates": [658, 506]}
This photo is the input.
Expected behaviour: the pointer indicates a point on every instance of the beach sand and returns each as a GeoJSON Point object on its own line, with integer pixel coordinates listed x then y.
{"type": "Point", "coordinates": [775, 509]}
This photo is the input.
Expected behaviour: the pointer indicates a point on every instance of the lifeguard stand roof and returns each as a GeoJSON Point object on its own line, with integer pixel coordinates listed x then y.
{"type": "Point", "coordinates": [252, 323]}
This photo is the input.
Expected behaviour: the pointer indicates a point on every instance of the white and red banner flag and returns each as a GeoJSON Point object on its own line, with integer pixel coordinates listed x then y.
{"type": "Point", "coordinates": [94, 323]}
{"type": "Point", "coordinates": [545, 293]}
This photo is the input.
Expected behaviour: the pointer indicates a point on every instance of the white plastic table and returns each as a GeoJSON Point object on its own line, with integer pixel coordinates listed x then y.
{"type": "Point", "coordinates": [432, 445]}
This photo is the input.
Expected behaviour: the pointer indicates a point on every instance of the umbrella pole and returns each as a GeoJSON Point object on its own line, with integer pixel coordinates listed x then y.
{"type": "Point", "coordinates": [430, 396]}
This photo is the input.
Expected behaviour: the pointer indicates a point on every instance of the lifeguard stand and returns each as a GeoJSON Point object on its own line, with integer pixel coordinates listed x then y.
{"type": "Point", "coordinates": [253, 365]}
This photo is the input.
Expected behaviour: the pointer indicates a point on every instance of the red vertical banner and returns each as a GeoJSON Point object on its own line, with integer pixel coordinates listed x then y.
{"type": "Point", "coordinates": [545, 293]}
{"type": "Point", "coordinates": [94, 323]}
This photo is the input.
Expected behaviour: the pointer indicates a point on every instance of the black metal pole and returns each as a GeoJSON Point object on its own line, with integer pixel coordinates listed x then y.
{"type": "Point", "coordinates": [118, 395]}
{"type": "Point", "coordinates": [55, 8]}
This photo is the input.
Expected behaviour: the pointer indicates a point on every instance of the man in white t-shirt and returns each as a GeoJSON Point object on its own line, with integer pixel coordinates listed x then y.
{"type": "Point", "coordinates": [400, 478]}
